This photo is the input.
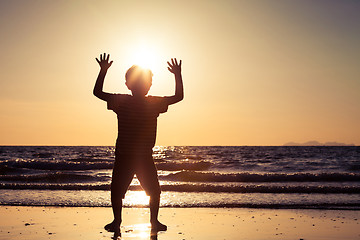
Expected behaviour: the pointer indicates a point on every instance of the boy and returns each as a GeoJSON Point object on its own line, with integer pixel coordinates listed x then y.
{"type": "Point", "coordinates": [137, 120]}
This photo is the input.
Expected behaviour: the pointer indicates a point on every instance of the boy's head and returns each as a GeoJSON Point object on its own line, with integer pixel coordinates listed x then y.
{"type": "Point", "coordinates": [138, 80]}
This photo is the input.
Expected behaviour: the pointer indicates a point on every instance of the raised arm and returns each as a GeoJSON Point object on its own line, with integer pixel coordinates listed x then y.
{"type": "Point", "coordinates": [104, 66]}
{"type": "Point", "coordinates": [175, 68]}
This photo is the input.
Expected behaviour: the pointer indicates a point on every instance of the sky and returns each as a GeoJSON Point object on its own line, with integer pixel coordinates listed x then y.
{"type": "Point", "coordinates": [255, 72]}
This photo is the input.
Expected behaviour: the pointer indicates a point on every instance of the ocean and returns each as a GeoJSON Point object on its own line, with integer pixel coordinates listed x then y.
{"type": "Point", "coordinates": [190, 176]}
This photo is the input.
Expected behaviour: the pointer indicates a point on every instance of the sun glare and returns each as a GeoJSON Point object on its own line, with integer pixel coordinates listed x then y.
{"type": "Point", "coordinates": [136, 198]}
{"type": "Point", "coordinates": [145, 56]}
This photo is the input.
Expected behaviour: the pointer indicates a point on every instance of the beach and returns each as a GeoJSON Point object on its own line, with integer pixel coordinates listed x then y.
{"type": "Point", "coordinates": [28, 222]}
{"type": "Point", "coordinates": [238, 120]}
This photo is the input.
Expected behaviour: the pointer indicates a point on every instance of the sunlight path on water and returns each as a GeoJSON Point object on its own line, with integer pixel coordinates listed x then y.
{"type": "Point", "coordinates": [136, 198]}
{"type": "Point", "coordinates": [136, 231]}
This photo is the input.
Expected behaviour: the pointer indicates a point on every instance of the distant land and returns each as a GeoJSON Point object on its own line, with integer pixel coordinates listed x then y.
{"type": "Point", "coordinates": [316, 143]}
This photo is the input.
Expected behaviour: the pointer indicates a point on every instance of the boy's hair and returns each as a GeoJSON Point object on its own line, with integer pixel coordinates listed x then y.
{"type": "Point", "coordinates": [136, 71]}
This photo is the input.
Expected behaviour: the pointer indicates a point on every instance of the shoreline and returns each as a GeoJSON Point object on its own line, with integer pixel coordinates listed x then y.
{"type": "Point", "coordinates": [245, 206]}
{"type": "Point", "coordinates": [75, 198]}
{"type": "Point", "coordinates": [49, 222]}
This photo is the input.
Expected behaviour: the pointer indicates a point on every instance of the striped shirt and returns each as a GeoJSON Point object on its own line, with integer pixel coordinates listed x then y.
{"type": "Point", "coordinates": [137, 121]}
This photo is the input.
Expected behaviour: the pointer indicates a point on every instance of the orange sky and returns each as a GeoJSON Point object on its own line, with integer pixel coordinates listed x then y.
{"type": "Point", "coordinates": [255, 72]}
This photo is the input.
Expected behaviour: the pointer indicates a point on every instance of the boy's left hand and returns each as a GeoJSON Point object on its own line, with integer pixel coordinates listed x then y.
{"type": "Point", "coordinates": [174, 66]}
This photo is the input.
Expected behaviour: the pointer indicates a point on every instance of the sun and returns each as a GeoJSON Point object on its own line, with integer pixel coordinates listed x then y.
{"type": "Point", "coordinates": [146, 56]}
{"type": "Point", "coordinates": [149, 54]}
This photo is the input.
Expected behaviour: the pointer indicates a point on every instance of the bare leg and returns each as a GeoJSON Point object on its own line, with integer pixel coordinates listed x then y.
{"type": "Point", "coordinates": [148, 178]}
{"type": "Point", "coordinates": [154, 211]}
{"type": "Point", "coordinates": [116, 203]}
{"type": "Point", "coordinates": [154, 208]}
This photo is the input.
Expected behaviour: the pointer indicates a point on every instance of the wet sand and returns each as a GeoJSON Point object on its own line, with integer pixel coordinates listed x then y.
{"type": "Point", "coordinates": [183, 223]}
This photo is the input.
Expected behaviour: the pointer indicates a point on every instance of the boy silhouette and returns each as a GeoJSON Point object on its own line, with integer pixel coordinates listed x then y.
{"type": "Point", "coordinates": [137, 121]}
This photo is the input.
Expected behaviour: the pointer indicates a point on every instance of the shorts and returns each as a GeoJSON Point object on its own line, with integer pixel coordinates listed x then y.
{"type": "Point", "coordinates": [127, 165]}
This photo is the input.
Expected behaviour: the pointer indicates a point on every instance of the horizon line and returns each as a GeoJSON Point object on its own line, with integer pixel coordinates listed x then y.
{"type": "Point", "coordinates": [284, 145]}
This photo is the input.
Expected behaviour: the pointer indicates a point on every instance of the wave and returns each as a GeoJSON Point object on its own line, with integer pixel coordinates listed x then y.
{"type": "Point", "coordinates": [55, 164]}
{"type": "Point", "coordinates": [54, 177]}
{"type": "Point", "coordinates": [93, 164]}
{"type": "Point", "coordinates": [194, 188]}
{"type": "Point", "coordinates": [176, 166]}
{"type": "Point", "coordinates": [192, 176]}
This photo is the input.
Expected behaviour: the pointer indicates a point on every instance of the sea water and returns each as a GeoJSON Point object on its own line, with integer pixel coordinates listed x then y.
{"type": "Point", "coordinates": [190, 176]}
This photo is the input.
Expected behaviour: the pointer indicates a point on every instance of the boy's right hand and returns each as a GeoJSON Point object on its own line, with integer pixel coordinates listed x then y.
{"type": "Point", "coordinates": [104, 61]}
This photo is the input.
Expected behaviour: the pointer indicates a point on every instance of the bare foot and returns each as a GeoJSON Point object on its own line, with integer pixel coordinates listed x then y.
{"type": "Point", "coordinates": [112, 227]}
{"type": "Point", "coordinates": [158, 226]}
{"type": "Point", "coordinates": [117, 236]}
